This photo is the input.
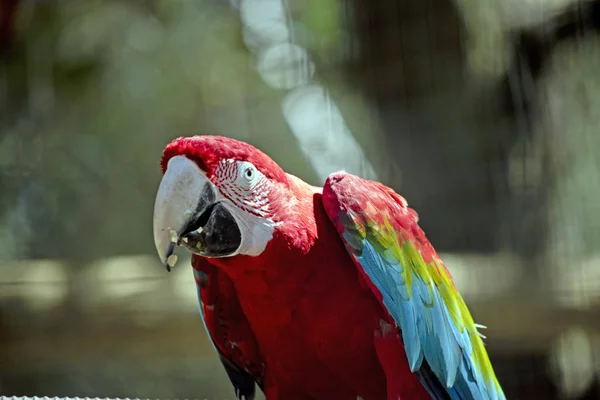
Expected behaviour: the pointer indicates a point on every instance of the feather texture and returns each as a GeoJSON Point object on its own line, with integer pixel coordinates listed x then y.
{"type": "Point", "coordinates": [405, 273]}
{"type": "Point", "coordinates": [228, 329]}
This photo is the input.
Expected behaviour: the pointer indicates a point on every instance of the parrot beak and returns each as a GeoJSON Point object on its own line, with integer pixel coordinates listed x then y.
{"type": "Point", "coordinates": [187, 212]}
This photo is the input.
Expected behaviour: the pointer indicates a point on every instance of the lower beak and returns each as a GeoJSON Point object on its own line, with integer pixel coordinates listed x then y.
{"type": "Point", "coordinates": [187, 212]}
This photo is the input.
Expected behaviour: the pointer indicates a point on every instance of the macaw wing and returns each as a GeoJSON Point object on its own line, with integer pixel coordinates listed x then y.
{"type": "Point", "coordinates": [228, 328]}
{"type": "Point", "coordinates": [405, 273]}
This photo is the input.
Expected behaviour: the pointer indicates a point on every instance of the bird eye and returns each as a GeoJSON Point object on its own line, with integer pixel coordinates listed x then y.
{"type": "Point", "coordinates": [247, 174]}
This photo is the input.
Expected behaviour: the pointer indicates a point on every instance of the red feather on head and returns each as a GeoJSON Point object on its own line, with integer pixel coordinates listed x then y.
{"type": "Point", "coordinates": [208, 150]}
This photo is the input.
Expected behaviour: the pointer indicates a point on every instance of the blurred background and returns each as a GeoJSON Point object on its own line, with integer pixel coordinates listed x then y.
{"type": "Point", "coordinates": [484, 114]}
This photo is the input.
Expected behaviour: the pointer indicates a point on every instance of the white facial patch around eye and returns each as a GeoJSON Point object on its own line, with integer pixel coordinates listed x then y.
{"type": "Point", "coordinates": [246, 196]}
{"type": "Point", "coordinates": [256, 231]}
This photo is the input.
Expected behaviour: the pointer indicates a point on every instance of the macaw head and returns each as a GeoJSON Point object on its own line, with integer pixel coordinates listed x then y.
{"type": "Point", "coordinates": [218, 197]}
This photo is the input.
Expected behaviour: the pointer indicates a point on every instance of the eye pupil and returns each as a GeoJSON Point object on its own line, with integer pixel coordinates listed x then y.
{"type": "Point", "coordinates": [249, 172]}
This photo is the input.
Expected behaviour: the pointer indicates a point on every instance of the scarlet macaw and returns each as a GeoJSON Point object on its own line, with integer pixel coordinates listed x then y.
{"type": "Point", "coordinates": [315, 293]}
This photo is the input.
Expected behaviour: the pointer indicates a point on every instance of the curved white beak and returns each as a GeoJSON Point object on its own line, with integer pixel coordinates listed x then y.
{"type": "Point", "coordinates": [177, 201]}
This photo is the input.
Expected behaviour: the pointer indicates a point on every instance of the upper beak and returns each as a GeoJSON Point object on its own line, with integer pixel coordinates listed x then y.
{"type": "Point", "coordinates": [184, 193]}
